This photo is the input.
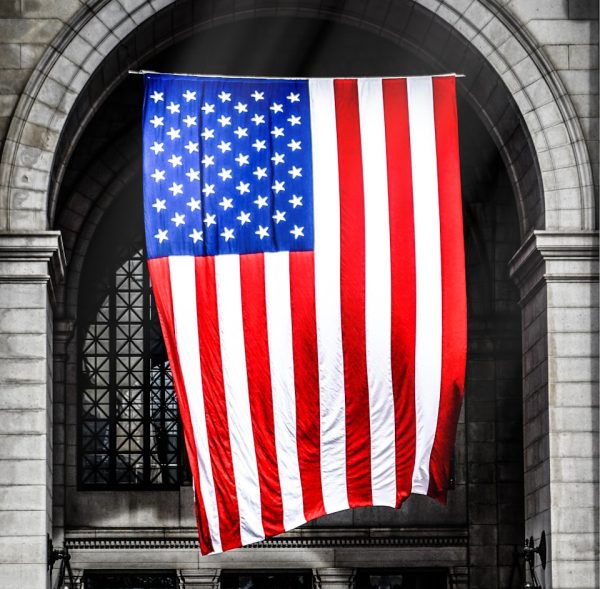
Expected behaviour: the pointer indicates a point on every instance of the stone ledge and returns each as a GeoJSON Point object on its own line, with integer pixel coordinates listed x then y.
{"type": "Point", "coordinates": [554, 256]}
{"type": "Point", "coordinates": [305, 538]}
{"type": "Point", "coordinates": [32, 256]}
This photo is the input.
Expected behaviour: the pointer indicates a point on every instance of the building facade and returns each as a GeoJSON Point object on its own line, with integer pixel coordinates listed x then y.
{"type": "Point", "coordinates": [90, 447]}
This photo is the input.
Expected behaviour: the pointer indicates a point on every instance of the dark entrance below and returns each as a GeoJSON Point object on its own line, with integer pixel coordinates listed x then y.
{"type": "Point", "coordinates": [141, 580]}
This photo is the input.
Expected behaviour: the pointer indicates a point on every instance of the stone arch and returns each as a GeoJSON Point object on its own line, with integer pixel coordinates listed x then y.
{"type": "Point", "coordinates": [79, 213]}
{"type": "Point", "coordinates": [540, 140]}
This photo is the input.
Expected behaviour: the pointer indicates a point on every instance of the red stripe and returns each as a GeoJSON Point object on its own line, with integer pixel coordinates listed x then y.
{"type": "Point", "coordinates": [402, 250]}
{"type": "Point", "coordinates": [215, 404]}
{"type": "Point", "coordinates": [352, 268]}
{"type": "Point", "coordinates": [454, 299]}
{"type": "Point", "coordinates": [306, 377]}
{"type": "Point", "coordinates": [254, 313]}
{"type": "Point", "coordinates": [161, 286]}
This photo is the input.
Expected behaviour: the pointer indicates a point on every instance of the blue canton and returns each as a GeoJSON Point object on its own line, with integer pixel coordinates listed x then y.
{"type": "Point", "coordinates": [227, 166]}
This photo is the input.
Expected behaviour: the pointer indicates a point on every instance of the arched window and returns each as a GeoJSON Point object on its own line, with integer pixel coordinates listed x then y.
{"type": "Point", "coordinates": [129, 427]}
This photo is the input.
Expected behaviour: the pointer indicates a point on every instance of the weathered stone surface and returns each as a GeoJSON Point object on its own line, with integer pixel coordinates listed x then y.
{"type": "Point", "coordinates": [62, 9]}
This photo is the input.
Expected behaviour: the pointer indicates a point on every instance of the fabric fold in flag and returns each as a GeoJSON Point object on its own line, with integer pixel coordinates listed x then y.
{"type": "Point", "coordinates": [305, 246]}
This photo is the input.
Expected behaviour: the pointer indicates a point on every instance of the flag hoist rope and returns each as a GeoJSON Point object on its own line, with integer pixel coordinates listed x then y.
{"type": "Point", "coordinates": [142, 72]}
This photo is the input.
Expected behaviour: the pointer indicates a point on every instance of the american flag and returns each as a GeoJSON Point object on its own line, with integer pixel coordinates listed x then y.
{"type": "Point", "coordinates": [305, 249]}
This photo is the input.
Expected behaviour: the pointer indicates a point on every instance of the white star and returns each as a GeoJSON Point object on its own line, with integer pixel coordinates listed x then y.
{"type": "Point", "coordinates": [157, 148]}
{"type": "Point", "coordinates": [277, 132]}
{"type": "Point", "coordinates": [293, 97]}
{"type": "Point", "coordinates": [243, 218]}
{"type": "Point", "coordinates": [241, 132]}
{"type": "Point", "coordinates": [241, 108]}
{"type": "Point", "coordinates": [225, 174]}
{"type": "Point", "coordinates": [242, 159]}
{"type": "Point", "coordinates": [196, 235]}
{"type": "Point", "coordinates": [224, 146]}
{"type": "Point", "coordinates": [243, 187]}
{"type": "Point", "coordinates": [194, 204]}
{"type": "Point", "coordinates": [191, 147]}
{"type": "Point", "coordinates": [294, 120]}
{"type": "Point", "coordinates": [297, 232]}
{"type": "Point", "coordinates": [210, 220]}
{"type": "Point", "coordinates": [158, 175]}
{"type": "Point", "coordinates": [208, 160]}
{"type": "Point", "coordinates": [259, 144]}
{"type": "Point", "coordinates": [157, 121]}
{"type": "Point", "coordinates": [224, 121]}
{"type": "Point", "coordinates": [227, 234]}
{"type": "Point", "coordinates": [258, 95]}
{"type": "Point", "coordinates": [278, 158]}
{"type": "Point", "coordinates": [162, 235]}
{"type": "Point", "coordinates": [278, 187]}
{"type": "Point", "coordinates": [178, 219]}
{"type": "Point", "coordinates": [189, 95]}
{"type": "Point", "coordinates": [295, 201]}
{"type": "Point", "coordinates": [157, 96]}
{"type": "Point", "coordinates": [279, 216]}
{"type": "Point", "coordinates": [260, 172]}
{"type": "Point", "coordinates": [173, 108]}
{"type": "Point", "coordinates": [175, 160]}
{"type": "Point", "coordinates": [276, 107]}
{"type": "Point", "coordinates": [262, 231]}
{"type": "Point", "coordinates": [295, 172]}
{"type": "Point", "coordinates": [207, 108]}
{"type": "Point", "coordinates": [193, 174]}
{"type": "Point", "coordinates": [176, 189]}
{"type": "Point", "coordinates": [224, 96]}
{"type": "Point", "coordinates": [294, 145]}
{"type": "Point", "coordinates": [174, 134]}
{"type": "Point", "coordinates": [208, 133]}
{"type": "Point", "coordinates": [261, 201]}
{"type": "Point", "coordinates": [189, 121]}
{"type": "Point", "coordinates": [208, 189]}
{"type": "Point", "coordinates": [160, 205]}
{"type": "Point", "coordinates": [226, 203]}
{"type": "Point", "coordinates": [258, 119]}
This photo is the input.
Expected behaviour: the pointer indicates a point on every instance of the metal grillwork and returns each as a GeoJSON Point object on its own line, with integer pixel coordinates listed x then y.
{"type": "Point", "coordinates": [129, 427]}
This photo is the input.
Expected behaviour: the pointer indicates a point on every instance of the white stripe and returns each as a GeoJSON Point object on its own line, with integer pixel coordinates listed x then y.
{"type": "Point", "coordinates": [235, 380]}
{"type": "Point", "coordinates": [327, 294]}
{"type": "Point", "coordinates": [428, 337]}
{"type": "Point", "coordinates": [378, 293]}
{"type": "Point", "coordinates": [281, 359]}
{"type": "Point", "coordinates": [183, 282]}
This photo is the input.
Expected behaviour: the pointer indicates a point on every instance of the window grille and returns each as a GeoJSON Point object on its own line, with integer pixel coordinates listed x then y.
{"type": "Point", "coordinates": [129, 427]}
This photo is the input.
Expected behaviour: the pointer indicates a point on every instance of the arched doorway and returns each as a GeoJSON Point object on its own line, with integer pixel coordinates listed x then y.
{"type": "Point", "coordinates": [429, 40]}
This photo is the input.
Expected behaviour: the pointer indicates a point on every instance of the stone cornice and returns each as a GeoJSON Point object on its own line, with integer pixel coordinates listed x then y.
{"type": "Point", "coordinates": [309, 538]}
{"type": "Point", "coordinates": [21, 253]}
{"type": "Point", "coordinates": [551, 256]}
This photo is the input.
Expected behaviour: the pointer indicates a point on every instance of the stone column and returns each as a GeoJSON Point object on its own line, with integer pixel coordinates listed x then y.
{"type": "Point", "coordinates": [334, 578]}
{"type": "Point", "coordinates": [557, 274]}
{"type": "Point", "coordinates": [63, 438]}
{"type": "Point", "coordinates": [30, 264]}
{"type": "Point", "coordinates": [200, 579]}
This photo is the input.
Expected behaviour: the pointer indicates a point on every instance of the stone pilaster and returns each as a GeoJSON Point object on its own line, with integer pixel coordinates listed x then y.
{"type": "Point", "coordinates": [200, 579]}
{"type": "Point", "coordinates": [334, 578]}
{"type": "Point", "coordinates": [30, 264]}
{"type": "Point", "coordinates": [63, 333]}
{"type": "Point", "coordinates": [557, 274]}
